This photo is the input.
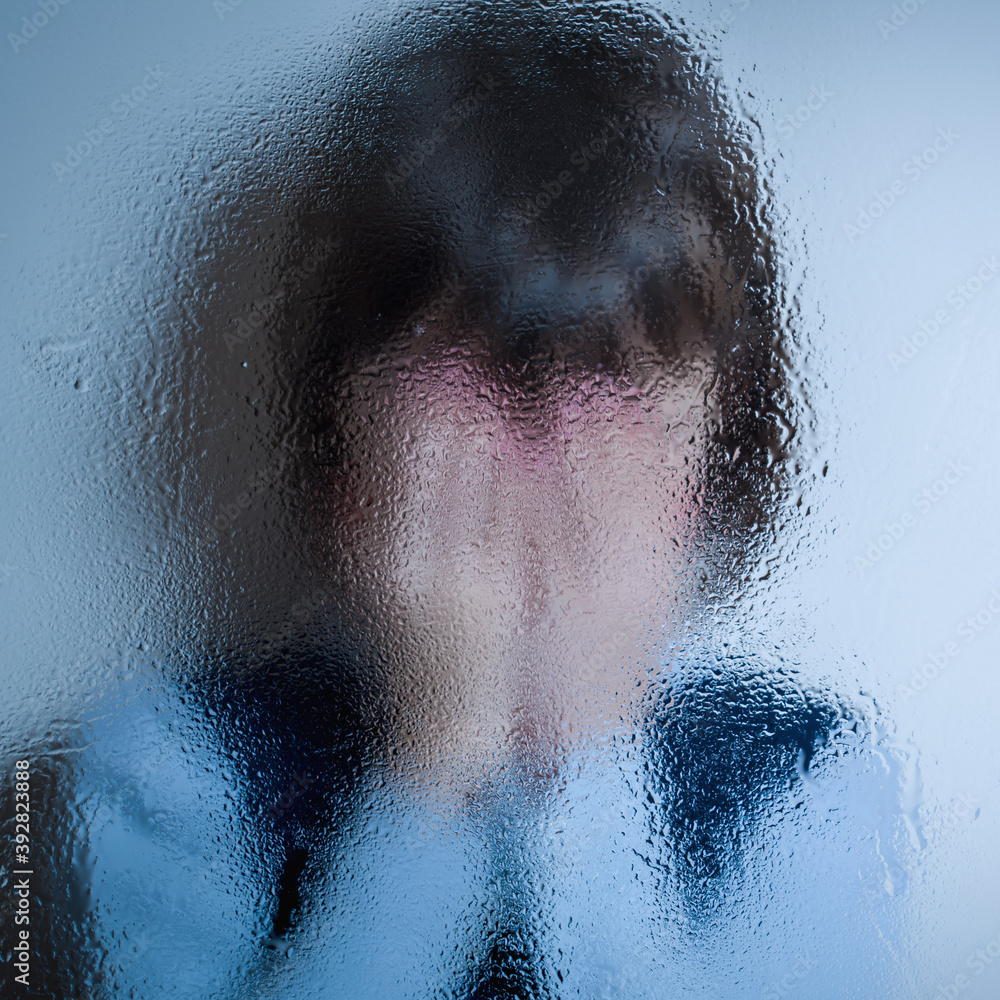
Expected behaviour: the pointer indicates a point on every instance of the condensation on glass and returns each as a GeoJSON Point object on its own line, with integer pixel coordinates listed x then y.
{"type": "Point", "coordinates": [472, 431]}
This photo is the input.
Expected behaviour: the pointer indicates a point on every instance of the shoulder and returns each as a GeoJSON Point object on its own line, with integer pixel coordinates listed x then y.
{"type": "Point", "coordinates": [737, 744]}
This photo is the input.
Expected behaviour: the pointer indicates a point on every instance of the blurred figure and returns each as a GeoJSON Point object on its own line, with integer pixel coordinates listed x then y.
{"type": "Point", "coordinates": [540, 404]}
{"type": "Point", "coordinates": [536, 410]}
{"type": "Point", "coordinates": [542, 415]}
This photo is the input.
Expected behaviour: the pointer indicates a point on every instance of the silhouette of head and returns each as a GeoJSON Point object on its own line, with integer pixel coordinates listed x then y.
{"type": "Point", "coordinates": [540, 371]}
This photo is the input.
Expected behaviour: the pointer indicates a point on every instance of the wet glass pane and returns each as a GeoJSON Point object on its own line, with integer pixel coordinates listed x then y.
{"type": "Point", "coordinates": [498, 500]}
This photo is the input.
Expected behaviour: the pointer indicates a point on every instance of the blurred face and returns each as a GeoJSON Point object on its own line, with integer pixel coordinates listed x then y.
{"type": "Point", "coordinates": [509, 484]}
{"type": "Point", "coordinates": [523, 521]}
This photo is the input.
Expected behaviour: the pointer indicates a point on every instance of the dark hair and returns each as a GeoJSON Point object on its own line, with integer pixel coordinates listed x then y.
{"type": "Point", "coordinates": [480, 150]}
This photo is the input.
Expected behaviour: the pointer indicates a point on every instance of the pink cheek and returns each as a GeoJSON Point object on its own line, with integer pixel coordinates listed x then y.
{"type": "Point", "coordinates": [588, 450]}
{"type": "Point", "coordinates": [602, 442]}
